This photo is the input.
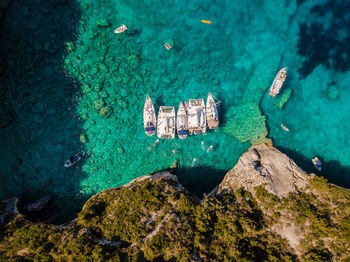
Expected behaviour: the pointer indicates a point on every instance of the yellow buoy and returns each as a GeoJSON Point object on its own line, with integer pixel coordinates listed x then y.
{"type": "Point", "coordinates": [206, 21]}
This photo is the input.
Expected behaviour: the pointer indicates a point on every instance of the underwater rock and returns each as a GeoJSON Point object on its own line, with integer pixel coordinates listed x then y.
{"type": "Point", "coordinates": [51, 111]}
{"type": "Point", "coordinates": [133, 60]}
{"type": "Point", "coordinates": [98, 87]}
{"type": "Point", "coordinates": [138, 77]}
{"type": "Point", "coordinates": [86, 88]}
{"type": "Point", "coordinates": [70, 46]}
{"type": "Point", "coordinates": [38, 205]}
{"type": "Point", "coordinates": [333, 92]}
{"type": "Point", "coordinates": [83, 138]}
{"type": "Point", "coordinates": [120, 149]}
{"type": "Point", "coordinates": [37, 119]}
{"type": "Point", "coordinates": [102, 22]}
{"type": "Point", "coordinates": [283, 98]}
{"type": "Point", "coordinates": [246, 123]}
{"type": "Point", "coordinates": [105, 112]}
{"type": "Point", "coordinates": [103, 68]}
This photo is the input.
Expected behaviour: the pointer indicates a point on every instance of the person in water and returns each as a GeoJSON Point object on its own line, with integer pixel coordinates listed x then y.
{"type": "Point", "coordinates": [167, 46]}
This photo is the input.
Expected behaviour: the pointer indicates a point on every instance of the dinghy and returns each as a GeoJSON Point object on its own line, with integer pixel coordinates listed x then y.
{"type": "Point", "coordinates": [278, 82]}
{"type": "Point", "coordinates": [166, 122]}
{"type": "Point", "coordinates": [212, 112]}
{"type": "Point", "coordinates": [149, 117]}
{"type": "Point", "coordinates": [182, 122]}
{"type": "Point", "coordinates": [120, 29]}
{"type": "Point", "coordinates": [317, 163]}
{"type": "Point", "coordinates": [196, 117]}
{"type": "Point", "coordinates": [73, 159]}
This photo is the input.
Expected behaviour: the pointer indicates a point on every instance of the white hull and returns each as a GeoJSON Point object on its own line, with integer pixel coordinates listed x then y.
{"type": "Point", "coordinates": [182, 122]}
{"type": "Point", "coordinates": [149, 117]}
{"type": "Point", "coordinates": [278, 82]}
{"type": "Point", "coordinates": [212, 113]}
{"type": "Point", "coordinates": [196, 117]}
{"type": "Point", "coordinates": [166, 122]}
{"type": "Point", "coordinates": [120, 29]}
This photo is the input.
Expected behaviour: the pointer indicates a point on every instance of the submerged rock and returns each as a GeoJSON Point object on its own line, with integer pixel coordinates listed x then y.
{"type": "Point", "coordinates": [105, 112]}
{"type": "Point", "coordinates": [84, 138]}
{"type": "Point", "coordinates": [333, 92]}
{"type": "Point", "coordinates": [38, 205]}
{"type": "Point", "coordinates": [102, 22]}
{"type": "Point", "coordinates": [283, 98]}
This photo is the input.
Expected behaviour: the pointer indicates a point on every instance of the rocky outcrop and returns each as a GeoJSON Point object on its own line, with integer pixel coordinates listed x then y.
{"type": "Point", "coordinates": [8, 209]}
{"type": "Point", "coordinates": [265, 166]}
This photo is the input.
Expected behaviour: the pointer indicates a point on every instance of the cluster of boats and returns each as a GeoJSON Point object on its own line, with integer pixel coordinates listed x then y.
{"type": "Point", "coordinates": [192, 118]}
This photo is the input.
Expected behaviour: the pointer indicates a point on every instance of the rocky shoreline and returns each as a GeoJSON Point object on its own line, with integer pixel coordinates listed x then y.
{"type": "Point", "coordinates": [266, 208]}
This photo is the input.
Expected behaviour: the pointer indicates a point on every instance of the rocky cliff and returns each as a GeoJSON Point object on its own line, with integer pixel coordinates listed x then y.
{"type": "Point", "coordinates": [266, 209]}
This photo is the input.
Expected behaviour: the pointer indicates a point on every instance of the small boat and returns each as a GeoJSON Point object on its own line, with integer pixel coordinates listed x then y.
{"type": "Point", "coordinates": [317, 163]}
{"type": "Point", "coordinates": [149, 117]}
{"type": "Point", "coordinates": [212, 113]}
{"type": "Point", "coordinates": [284, 128]}
{"type": "Point", "coordinates": [167, 46]}
{"type": "Point", "coordinates": [206, 21]}
{"type": "Point", "coordinates": [73, 159]}
{"type": "Point", "coordinates": [196, 117]}
{"type": "Point", "coordinates": [166, 122]}
{"type": "Point", "coordinates": [278, 82]}
{"type": "Point", "coordinates": [182, 122]}
{"type": "Point", "coordinates": [120, 29]}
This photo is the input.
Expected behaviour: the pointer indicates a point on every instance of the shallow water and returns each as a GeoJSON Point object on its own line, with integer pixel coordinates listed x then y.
{"type": "Point", "coordinates": [69, 64]}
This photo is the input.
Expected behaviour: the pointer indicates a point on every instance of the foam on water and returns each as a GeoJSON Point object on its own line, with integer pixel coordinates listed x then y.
{"type": "Point", "coordinates": [105, 78]}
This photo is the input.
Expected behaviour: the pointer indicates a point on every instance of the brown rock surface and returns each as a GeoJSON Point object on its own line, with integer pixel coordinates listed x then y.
{"type": "Point", "coordinates": [267, 166]}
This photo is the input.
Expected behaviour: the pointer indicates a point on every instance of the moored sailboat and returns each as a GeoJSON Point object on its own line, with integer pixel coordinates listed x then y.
{"type": "Point", "coordinates": [182, 122]}
{"type": "Point", "coordinates": [278, 82]}
{"type": "Point", "coordinates": [166, 122]}
{"type": "Point", "coordinates": [196, 116]}
{"type": "Point", "coordinates": [212, 112]}
{"type": "Point", "coordinates": [149, 117]}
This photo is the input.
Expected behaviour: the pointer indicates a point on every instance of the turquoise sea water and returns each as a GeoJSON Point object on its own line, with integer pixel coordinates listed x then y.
{"type": "Point", "coordinates": [62, 63]}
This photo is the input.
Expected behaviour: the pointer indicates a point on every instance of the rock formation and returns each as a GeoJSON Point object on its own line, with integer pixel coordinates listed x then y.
{"type": "Point", "coordinates": [265, 209]}
{"type": "Point", "coordinates": [266, 166]}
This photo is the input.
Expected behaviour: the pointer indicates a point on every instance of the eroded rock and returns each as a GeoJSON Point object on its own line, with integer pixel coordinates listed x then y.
{"type": "Point", "coordinates": [266, 166]}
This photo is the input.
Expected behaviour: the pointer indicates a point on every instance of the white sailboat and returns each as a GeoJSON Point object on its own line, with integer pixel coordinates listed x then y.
{"type": "Point", "coordinates": [149, 117]}
{"type": "Point", "coordinates": [196, 116]}
{"type": "Point", "coordinates": [212, 112]}
{"type": "Point", "coordinates": [166, 122]}
{"type": "Point", "coordinates": [182, 122]}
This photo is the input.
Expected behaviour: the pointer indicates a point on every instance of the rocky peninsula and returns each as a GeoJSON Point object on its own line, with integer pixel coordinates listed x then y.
{"type": "Point", "coordinates": [265, 209]}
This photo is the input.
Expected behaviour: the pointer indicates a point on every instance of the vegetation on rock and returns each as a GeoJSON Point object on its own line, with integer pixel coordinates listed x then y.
{"type": "Point", "coordinates": [149, 220]}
